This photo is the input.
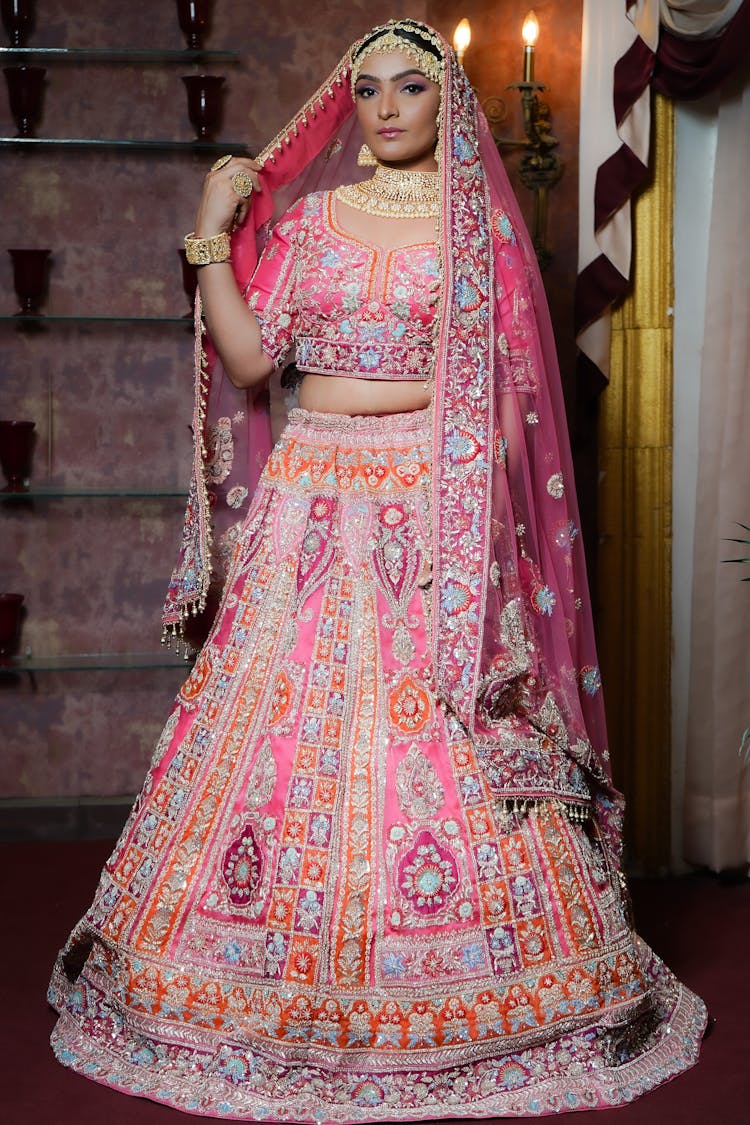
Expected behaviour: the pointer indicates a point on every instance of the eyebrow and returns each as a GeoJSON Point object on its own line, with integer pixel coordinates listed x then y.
{"type": "Point", "coordinates": [393, 78]}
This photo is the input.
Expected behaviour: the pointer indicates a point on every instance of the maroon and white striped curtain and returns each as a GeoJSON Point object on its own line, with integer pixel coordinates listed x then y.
{"type": "Point", "coordinates": [686, 49]}
{"type": "Point", "coordinates": [683, 48]}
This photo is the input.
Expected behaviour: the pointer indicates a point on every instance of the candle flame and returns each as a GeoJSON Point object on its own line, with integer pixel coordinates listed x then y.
{"type": "Point", "coordinates": [461, 37]}
{"type": "Point", "coordinates": [530, 31]}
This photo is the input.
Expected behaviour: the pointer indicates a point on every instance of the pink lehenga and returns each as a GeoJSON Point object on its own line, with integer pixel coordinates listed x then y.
{"type": "Point", "coordinates": [374, 870]}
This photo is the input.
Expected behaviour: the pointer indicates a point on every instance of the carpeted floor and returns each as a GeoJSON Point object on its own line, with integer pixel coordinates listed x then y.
{"type": "Point", "coordinates": [699, 926]}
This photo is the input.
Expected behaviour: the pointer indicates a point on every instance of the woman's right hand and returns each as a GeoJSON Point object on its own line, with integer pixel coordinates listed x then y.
{"type": "Point", "coordinates": [220, 207]}
{"type": "Point", "coordinates": [233, 327]}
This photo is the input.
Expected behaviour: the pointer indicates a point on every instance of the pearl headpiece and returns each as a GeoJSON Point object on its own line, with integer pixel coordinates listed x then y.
{"type": "Point", "coordinates": [386, 38]}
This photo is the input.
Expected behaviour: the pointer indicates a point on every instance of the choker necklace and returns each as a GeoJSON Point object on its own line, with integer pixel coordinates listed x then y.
{"type": "Point", "coordinates": [395, 194]}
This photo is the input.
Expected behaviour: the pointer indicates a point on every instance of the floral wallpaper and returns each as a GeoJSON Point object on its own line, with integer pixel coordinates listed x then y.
{"type": "Point", "coordinates": [112, 402]}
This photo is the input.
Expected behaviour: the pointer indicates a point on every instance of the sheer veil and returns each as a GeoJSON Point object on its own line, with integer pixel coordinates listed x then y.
{"type": "Point", "coordinates": [512, 633]}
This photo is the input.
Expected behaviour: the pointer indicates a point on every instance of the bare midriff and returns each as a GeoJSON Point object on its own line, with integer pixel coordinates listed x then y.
{"type": "Point", "coordinates": [336, 394]}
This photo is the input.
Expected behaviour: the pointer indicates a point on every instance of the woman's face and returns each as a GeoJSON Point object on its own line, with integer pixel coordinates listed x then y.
{"type": "Point", "coordinates": [397, 109]}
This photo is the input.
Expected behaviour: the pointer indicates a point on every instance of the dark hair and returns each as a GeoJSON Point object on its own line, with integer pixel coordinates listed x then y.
{"type": "Point", "coordinates": [409, 30]}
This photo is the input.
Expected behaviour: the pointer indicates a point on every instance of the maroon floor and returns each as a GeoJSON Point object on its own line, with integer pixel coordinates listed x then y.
{"type": "Point", "coordinates": [701, 928]}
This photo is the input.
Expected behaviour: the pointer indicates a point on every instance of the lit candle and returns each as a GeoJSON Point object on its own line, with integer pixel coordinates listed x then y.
{"type": "Point", "coordinates": [461, 39]}
{"type": "Point", "coordinates": [530, 33]}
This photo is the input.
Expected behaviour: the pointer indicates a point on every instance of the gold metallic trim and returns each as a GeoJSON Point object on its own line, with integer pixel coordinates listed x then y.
{"type": "Point", "coordinates": [308, 112]}
{"type": "Point", "coordinates": [635, 518]}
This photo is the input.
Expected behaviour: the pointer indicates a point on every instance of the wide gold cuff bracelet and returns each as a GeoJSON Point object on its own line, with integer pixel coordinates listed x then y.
{"type": "Point", "coordinates": [203, 251]}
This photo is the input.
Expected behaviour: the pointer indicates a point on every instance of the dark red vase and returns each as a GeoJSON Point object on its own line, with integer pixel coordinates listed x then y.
{"type": "Point", "coordinates": [204, 96]}
{"type": "Point", "coordinates": [18, 20]}
{"type": "Point", "coordinates": [11, 610]}
{"type": "Point", "coordinates": [25, 93]}
{"type": "Point", "coordinates": [189, 281]}
{"type": "Point", "coordinates": [16, 452]}
{"type": "Point", "coordinates": [30, 273]}
{"type": "Point", "coordinates": [193, 16]}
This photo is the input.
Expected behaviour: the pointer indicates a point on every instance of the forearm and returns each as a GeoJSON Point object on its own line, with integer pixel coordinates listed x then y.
{"type": "Point", "coordinates": [233, 327]}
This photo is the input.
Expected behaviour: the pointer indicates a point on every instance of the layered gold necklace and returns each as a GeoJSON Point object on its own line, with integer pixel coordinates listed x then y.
{"type": "Point", "coordinates": [395, 194]}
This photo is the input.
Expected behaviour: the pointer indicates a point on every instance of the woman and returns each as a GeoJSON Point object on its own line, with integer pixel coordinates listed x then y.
{"type": "Point", "coordinates": [374, 869]}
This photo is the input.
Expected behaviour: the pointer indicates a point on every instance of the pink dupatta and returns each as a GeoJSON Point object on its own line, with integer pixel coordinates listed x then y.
{"type": "Point", "coordinates": [512, 624]}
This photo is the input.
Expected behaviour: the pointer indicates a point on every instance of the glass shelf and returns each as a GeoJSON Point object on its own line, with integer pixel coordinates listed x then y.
{"type": "Point", "coordinates": [235, 148]}
{"type": "Point", "coordinates": [64, 492]}
{"type": "Point", "coordinates": [135, 55]}
{"type": "Point", "coordinates": [53, 318]}
{"type": "Point", "coordinates": [95, 662]}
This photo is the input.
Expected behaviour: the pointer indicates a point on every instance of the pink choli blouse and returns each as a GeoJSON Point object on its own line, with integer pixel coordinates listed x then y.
{"type": "Point", "coordinates": [348, 307]}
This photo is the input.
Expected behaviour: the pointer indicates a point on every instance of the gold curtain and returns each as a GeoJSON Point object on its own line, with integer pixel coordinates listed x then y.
{"type": "Point", "coordinates": [635, 513]}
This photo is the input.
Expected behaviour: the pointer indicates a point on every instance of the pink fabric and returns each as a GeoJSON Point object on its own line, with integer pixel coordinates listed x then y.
{"type": "Point", "coordinates": [504, 514]}
{"type": "Point", "coordinates": [374, 865]}
{"type": "Point", "coordinates": [330, 902]}
{"type": "Point", "coordinates": [350, 307]}
{"type": "Point", "coordinates": [307, 156]}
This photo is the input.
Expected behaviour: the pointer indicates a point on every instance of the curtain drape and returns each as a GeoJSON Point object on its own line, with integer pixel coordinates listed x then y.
{"type": "Point", "coordinates": [697, 52]}
{"type": "Point", "coordinates": [617, 58]}
{"type": "Point", "coordinates": [681, 48]}
{"type": "Point", "coordinates": [717, 802]}
{"type": "Point", "coordinates": [697, 19]}
{"type": "Point", "coordinates": [627, 53]}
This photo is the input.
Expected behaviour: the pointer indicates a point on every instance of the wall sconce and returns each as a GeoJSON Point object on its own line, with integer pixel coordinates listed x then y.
{"type": "Point", "coordinates": [540, 167]}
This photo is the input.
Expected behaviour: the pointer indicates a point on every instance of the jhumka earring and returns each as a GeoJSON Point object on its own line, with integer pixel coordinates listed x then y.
{"type": "Point", "coordinates": [366, 158]}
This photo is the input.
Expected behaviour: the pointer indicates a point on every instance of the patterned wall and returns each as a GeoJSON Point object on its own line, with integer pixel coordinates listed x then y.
{"type": "Point", "coordinates": [495, 59]}
{"type": "Point", "coordinates": [112, 403]}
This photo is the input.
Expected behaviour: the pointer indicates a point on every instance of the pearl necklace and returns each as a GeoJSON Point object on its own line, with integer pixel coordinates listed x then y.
{"type": "Point", "coordinates": [393, 193]}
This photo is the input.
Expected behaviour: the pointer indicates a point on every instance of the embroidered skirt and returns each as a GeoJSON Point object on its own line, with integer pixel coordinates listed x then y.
{"type": "Point", "coordinates": [319, 909]}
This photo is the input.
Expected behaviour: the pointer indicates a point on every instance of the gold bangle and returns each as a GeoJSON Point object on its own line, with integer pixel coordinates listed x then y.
{"type": "Point", "coordinates": [203, 251]}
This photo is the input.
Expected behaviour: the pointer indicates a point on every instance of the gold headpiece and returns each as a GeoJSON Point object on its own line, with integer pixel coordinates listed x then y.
{"type": "Point", "coordinates": [385, 38]}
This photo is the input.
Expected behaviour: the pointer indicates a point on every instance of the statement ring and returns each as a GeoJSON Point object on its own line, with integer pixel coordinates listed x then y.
{"type": "Point", "coordinates": [242, 182]}
{"type": "Point", "coordinates": [221, 162]}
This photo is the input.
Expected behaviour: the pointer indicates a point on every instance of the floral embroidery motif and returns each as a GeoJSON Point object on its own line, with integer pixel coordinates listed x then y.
{"type": "Point", "coordinates": [354, 529]}
{"type": "Point", "coordinates": [165, 738]}
{"type": "Point", "coordinates": [502, 227]}
{"type": "Point", "coordinates": [262, 779]}
{"type": "Point", "coordinates": [285, 699]}
{"type": "Point", "coordinates": [237, 496]}
{"type": "Point", "coordinates": [565, 535]}
{"type": "Point", "coordinates": [397, 562]}
{"type": "Point", "coordinates": [543, 600]}
{"type": "Point", "coordinates": [409, 705]}
{"type": "Point", "coordinates": [348, 469]}
{"type": "Point", "coordinates": [345, 303]}
{"type": "Point", "coordinates": [428, 875]}
{"type": "Point", "coordinates": [316, 547]}
{"type": "Point", "coordinates": [555, 486]}
{"type": "Point", "coordinates": [500, 449]}
{"type": "Point", "coordinates": [289, 523]}
{"type": "Point", "coordinates": [198, 678]}
{"type": "Point", "coordinates": [591, 680]}
{"type": "Point", "coordinates": [242, 867]}
{"type": "Point", "coordinates": [418, 786]}
{"type": "Point", "coordinates": [220, 451]}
